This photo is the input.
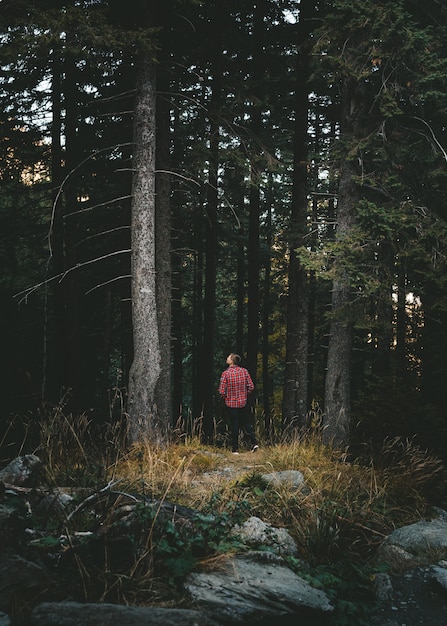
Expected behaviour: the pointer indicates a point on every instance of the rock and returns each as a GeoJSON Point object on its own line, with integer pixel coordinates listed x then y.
{"type": "Point", "coordinates": [414, 545]}
{"type": "Point", "coordinates": [20, 580]}
{"type": "Point", "coordinates": [397, 558]}
{"type": "Point", "coordinates": [53, 505]}
{"type": "Point", "coordinates": [257, 589]}
{"type": "Point", "coordinates": [439, 574]}
{"type": "Point", "coordinates": [23, 471]}
{"type": "Point", "coordinates": [291, 478]}
{"type": "Point", "coordinates": [441, 514]}
{"type": "Point", "coordinates": [10, 528]}
{"type": "Point", "coordinates": [76, 614]}
{"type": "Point", "coordinates": [415, 601]}
{"type": "Point", "coordinates": [383, 587]}
{"type": "Point", "coordinates": [255, 532]}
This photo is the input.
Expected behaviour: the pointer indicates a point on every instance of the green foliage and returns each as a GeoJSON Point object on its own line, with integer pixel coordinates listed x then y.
{"type": "Point", "coordinates": [177, 553]}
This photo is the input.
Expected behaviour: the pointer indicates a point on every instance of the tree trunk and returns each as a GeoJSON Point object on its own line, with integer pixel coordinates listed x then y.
{"type": "Point", "coordinates": [337, 410]}
{"type": "Point", "coordinates": [240, 264]}
{"type": "Point", "coordinates": [163, 249]}
{"type": "Point", "coordinates": [211, 243]}
{"type": "Point", "coordinates": [145, 370]}
{"type": "Point", "coordinates": [197, 329]}
{"type": "Point", "coordinates": [72, 357]}
{"type": "Point", "coordinates": [177, 291]}
{"type": "Point", "coordinates": [254, 195]}
{"type": "Point", "coordinates": [295, 401]}
{"type": "Point", "coordinates": [266, 378]}
{"type": "Point", "coordinates": [52, 381]}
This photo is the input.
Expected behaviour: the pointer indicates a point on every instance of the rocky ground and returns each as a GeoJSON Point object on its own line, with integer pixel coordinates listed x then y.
{"type": "Point", "coordinates": [259, 592]}
{"type": "Point", "coordinates": [416, 600]}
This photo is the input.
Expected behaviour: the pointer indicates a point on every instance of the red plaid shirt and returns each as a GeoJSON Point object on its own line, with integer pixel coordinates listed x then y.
{"type": "Point", "coordinates": [235, 385]}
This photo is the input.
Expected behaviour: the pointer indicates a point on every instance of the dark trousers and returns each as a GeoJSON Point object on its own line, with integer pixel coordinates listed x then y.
{"type": "Point", "coordinates": [240, 419]}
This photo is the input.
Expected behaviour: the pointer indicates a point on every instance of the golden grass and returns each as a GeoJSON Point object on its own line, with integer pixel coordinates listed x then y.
{"type": "Point", "coordinates": [346, 508]}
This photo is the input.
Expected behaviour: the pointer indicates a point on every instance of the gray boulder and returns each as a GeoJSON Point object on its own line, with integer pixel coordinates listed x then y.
{"type": "Point", "coordinates": [439, 575]}
{"type": "Point", "coordinates": [257, 588]}
{"type": "Point", "coordinates": [288, 478]}
{"type": "Point", "coordinates": [20, 580]}
{"type": "Point", "coordinates": [24, 471]}
{"type": "Point", "coordinates": [75, 614]}
{"type": "Point", "coordinates": [255, 532]}
{"type": "Point", "coordinates": [414, 545]}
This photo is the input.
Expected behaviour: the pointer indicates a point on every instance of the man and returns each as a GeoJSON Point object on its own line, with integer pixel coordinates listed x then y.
{"type": "Point", "coordinates": [234, 387]}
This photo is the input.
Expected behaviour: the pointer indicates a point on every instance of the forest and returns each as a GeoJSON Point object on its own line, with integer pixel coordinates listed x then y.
{"type": "Point", "coordinates": [182, 179]}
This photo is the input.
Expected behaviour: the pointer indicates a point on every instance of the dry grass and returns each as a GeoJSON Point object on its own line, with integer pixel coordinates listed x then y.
{"type": "Point", "coordinates": [347, 507]}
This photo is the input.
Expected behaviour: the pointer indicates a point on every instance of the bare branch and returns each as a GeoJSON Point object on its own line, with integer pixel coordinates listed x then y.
{"type": "Point", "coordinates": [420, 119]}
{"type": "Point", "coordinates": [107, 282]}
{"type": "Point", "coordinates": [187, 178]}
{"type": "Point", "coordinates": [92, 498]}
{"type": "Point", "coordinates": [27, 292]}
{"type": "Point", "coordinates": [104, 232]}
{"type": "Point", "coordinates": [96, 206]}
{"type": "Point", "coordinates": [62, 185]}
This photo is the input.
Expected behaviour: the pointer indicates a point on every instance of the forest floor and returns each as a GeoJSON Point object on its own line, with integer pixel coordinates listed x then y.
{"type": "Point", "coordinates": [415, 600]}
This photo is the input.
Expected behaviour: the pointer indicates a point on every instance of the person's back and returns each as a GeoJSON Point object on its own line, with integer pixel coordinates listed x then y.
{"type": "Point", "coordinates": [234, 387]}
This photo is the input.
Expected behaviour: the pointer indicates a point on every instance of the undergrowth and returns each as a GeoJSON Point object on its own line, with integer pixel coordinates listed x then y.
{"type": "Point", "coordinates": [338, 520]}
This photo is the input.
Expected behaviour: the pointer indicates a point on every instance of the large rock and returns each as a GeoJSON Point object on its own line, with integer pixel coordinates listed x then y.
{"type": "Point", "coordinates": [20, 581]}
{"type": "Point", "coordinates": [24, 471]}
{"type": "Point", "coordinates": [286, 478]}
{"type": "Point", "coordinates": [414, 545]}
{"type": "Point", "coordinates": [257, 589]}
{"type": "Point", "coordinates": [78, 614]}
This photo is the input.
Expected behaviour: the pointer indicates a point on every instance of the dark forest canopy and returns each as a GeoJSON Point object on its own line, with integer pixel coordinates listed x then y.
{"type": "Point", "coordinates": [298, 212]}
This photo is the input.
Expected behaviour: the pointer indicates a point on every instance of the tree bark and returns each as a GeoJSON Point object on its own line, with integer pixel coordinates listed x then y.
{"type": "Point", "coordinates": [72, 358]}
{"type": "Point", "coordinates": [295, 399]}
{"type": "Point", "coordinates": [52, 381]}
{"type": "Point", "coordinates": [145, 370]}
{"type": "Point", "coordinates": [211, 244]}
{"type": "Point", "coordinates": [255, 196]}
{"type": "Point", "coordinates": [163, 249]}
{"type": "Point", "coordinates": [337, 410]}
{"type": "Point", "coordinates": [266, 378]}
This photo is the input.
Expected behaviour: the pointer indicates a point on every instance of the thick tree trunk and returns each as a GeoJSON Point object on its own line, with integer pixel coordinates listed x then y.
{"type": "Point", "coordinates": [337, 410]}
{"type": "Point", "coordinates": [145, 370]}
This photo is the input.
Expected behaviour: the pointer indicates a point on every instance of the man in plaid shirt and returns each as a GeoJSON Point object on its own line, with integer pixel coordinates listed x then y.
{"type": "Point", "coordinates": [234, 387]}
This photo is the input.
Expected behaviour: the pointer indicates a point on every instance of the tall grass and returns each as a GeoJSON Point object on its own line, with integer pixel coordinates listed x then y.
{"type": "Point", "coordinates": [345, 511]}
